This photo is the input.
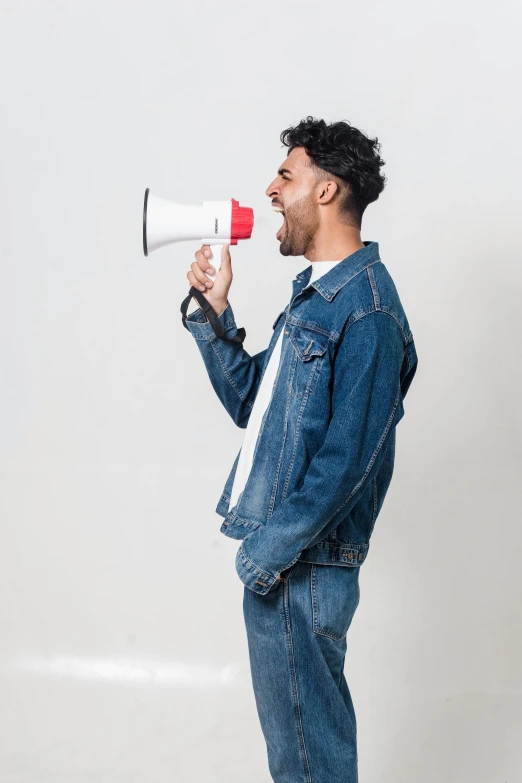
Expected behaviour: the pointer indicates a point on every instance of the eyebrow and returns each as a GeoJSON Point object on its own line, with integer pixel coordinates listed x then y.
{"type": "Point", "coordinates": [284, 171]}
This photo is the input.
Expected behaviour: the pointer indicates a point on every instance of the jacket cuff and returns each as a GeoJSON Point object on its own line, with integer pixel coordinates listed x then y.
{"type": "Point", "coordinates": [253, 577]}
{"type": "Point", "coordinates": [201, 328]}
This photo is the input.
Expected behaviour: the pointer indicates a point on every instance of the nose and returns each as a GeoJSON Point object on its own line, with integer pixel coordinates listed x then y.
{"type": "Point", "coordinates": [272, 190]}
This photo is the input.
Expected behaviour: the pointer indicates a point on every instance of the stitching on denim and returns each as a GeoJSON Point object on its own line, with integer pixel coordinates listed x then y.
{"type": "Point", "coordinates": [373, 457]}
{"type": "Point", "coordinates": [329, 296]}
{"type": "Point", "coordinates": [294, 450]}
{"type": "Point", "coordinates": [227, 374]}
{"type": "Point", "coordinates": [375, 499]}
{"type": "Point", "coordinates": [339, 544]}
{"type": "Point", "coordinates": [259, 571]}
{"type": "Point", "coordinates": [315, 607]}
{"type": "Point", "coordinates": [322, 349]}
{"type": "Point", "coordinates": [290, 564]}
{"type": "Point", "coordinates": [295, 689]}
{"type": "Point", "coordinates": [241, 522]}
{"type": "Point", "coordinates": [369, 312]}
{"type": "Point", "coordinates": [313, 372]}
{"type": "Point", "coordinates": [276, 479]}
{"type": "Point", "coordinates": [309, 389]}
{"type": "Point", "coordinates": [308, 325]}
{"type": "Point", "coordinates": [373, 285]}
{"type": "Point", "coordinates": [389, 312]}
{"type": "Point", "coordinates": [359, 272]}
{"type": "Point", "coordinates": [312, 383]}
{"type": "Point", "coordinates": [332, 563]}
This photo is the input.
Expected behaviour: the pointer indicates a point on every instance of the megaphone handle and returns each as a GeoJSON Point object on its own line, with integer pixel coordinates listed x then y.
{"type": "Point", "coordinates": [215, 260]}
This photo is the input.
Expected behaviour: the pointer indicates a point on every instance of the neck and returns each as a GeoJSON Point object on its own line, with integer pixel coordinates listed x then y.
{"type": "Point", "coordinates": [333, 242]}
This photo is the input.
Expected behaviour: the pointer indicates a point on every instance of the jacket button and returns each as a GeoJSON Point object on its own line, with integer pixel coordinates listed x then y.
{"type": "Point", "coordinates": [286, 331]}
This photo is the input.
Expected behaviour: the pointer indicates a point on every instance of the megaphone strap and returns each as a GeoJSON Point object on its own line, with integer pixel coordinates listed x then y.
{"type": "Point", "coordinates": [211, 316]}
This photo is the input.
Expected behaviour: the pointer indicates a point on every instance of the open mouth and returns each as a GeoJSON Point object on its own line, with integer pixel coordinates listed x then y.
{"type": "Point", "coordinates": [282, 212]}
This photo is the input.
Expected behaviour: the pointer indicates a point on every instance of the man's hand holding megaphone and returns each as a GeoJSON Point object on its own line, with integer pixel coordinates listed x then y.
{"type": "Point", "coordinates": [215, 290]}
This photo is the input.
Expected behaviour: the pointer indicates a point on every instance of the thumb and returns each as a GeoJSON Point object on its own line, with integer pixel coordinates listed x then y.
{"type": "Point", "coordinates": [226, 261]}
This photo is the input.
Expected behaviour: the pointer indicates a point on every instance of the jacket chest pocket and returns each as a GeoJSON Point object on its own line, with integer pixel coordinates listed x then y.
{"type": "Point", "coordinates": [311, 350]}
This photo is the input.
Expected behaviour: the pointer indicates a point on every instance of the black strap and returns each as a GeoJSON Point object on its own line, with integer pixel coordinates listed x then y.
{"type": "Point", "coordinates": [211, 316]}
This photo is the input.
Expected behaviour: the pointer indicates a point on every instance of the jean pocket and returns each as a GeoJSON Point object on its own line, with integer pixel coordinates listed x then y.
{"type": "Point", "coordinates": [311, 348]}
{"type": "Point", "coordinates": [335, 597]}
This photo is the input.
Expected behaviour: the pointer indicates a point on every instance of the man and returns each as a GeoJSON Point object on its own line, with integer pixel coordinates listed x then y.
{"type": "Point", "coordinates": [320, 406]}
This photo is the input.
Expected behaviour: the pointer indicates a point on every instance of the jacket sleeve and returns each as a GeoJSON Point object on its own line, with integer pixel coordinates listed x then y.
{"type": "Point", "coordinates": [366, 404]}
{"type": "Point", "coordinates": [234, 373]}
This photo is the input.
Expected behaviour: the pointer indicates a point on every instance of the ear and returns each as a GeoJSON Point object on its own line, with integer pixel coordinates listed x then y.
{"type": "Point", "coordinates": [326, 190]}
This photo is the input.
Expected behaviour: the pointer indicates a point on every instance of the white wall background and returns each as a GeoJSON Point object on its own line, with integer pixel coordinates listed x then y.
{"type": "Point", "coordinates": [123, 656]}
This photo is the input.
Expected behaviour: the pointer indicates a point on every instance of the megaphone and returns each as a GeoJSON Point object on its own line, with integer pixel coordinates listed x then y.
{"type": "Point", "coordinates": [213, 223]}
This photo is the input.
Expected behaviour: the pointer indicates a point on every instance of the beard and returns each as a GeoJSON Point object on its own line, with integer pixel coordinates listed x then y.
{"type": "Point", "coordinates": [300, 226]}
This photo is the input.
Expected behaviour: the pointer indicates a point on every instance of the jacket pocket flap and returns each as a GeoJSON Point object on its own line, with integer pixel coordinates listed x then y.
{"type": "Point", "coordinates": [308, 343]}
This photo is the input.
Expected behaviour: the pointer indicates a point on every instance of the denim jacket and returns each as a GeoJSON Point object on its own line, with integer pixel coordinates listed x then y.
{"type": "Point", "coordinates": [324, 456]}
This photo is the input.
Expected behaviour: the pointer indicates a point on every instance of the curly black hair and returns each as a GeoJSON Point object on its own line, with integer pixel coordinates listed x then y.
{"type": "Point", "coordinates": [346, 153]}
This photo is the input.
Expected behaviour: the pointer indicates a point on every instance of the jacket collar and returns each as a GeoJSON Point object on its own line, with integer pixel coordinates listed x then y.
{"type": "Point", "coordinates": [330, 283]}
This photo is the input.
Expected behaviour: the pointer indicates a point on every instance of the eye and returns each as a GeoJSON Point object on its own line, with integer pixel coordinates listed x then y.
{"type": "Point", "coordinates": [283, 176]}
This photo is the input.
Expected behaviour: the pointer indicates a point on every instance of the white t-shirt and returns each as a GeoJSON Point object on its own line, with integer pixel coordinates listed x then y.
{"type": "Point", "coordinates": [263, 398]}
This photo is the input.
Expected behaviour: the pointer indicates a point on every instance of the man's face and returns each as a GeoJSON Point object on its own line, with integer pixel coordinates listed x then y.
{"type": "Point", "coordinates": [293, 191]}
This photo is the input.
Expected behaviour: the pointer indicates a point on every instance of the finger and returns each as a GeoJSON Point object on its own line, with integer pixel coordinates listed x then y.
{"type": "Point", "coordinates": [226, 261]}
{"type": "Point", "coordinates": [200, 275]}
{"type": "Point", "coordinates": [193, 280]}
{"type": "Point", "coordinates": [202, 257]}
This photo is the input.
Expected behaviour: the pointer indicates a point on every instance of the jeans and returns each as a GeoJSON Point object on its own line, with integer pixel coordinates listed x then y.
{"type": "Point", "coordinates": [297, 644]}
